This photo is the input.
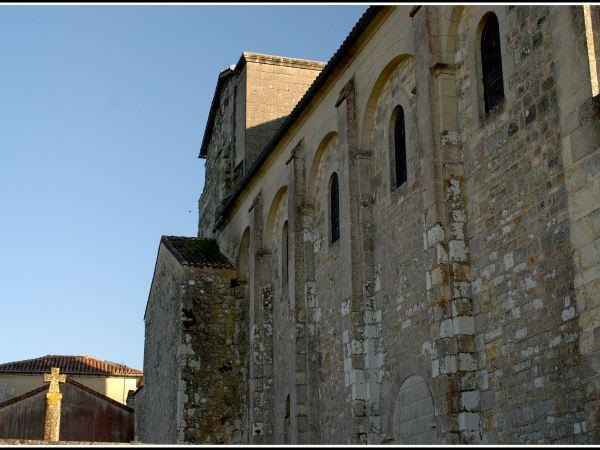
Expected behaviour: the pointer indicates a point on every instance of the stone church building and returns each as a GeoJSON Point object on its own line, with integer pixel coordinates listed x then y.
{"type": "Point", "coordinates": [401, 245]}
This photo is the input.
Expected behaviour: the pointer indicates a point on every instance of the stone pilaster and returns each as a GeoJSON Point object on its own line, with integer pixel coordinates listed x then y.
{"type": "Point", "coordinates": [261, 334]}
{"type": "Point", "coordinates": [361, 338]}
{"type": "Point", "coordinates": [574, 34]}
{"type": "Point", "coordinates": [448, 290]}
{"type": "Point", "coordinates": [306, 292]}
{"type": "Point", "coordinates": [304, 409]}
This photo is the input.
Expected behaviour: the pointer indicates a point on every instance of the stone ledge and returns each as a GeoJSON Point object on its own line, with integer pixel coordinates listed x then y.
{"type": "Point", "coordinates": [283, 61]}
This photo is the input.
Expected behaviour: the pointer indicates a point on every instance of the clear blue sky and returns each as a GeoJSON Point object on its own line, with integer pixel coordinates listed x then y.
{"type": "Point", "coordinates": [102, 112]}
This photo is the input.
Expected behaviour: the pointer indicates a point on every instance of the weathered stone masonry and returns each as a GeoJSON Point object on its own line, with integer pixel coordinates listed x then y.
{"type": "Point", "coordinates": [459, 307]}
{"type": "Point", "coordinates": [196, 370]}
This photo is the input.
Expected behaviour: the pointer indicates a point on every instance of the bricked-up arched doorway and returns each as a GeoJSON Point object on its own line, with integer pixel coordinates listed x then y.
{"type": "Point", "coordinates": [414, 418]}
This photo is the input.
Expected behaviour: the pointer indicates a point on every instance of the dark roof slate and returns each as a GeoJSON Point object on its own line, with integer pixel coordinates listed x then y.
{"type": "Point", "coordinates": [71, 365]}
{"type": "Point", "coordinates": [198, 252]}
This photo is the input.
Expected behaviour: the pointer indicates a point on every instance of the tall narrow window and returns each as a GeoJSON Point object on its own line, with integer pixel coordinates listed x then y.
{"type": "Point", "coordinates": [286, 422]}
{"type": "Point", "coordinates": [334, 208]}
{"type": "Point", "coordinates": [284, 254]}
{"type": "Point", "coordinates": [400, 147]}
{"type": "Point", "coordinates": [491, 63]}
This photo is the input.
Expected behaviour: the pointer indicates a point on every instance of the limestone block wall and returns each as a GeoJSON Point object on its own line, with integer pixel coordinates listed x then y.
{"type": "Point", "coordinates": [579, 116]}
{"type": "Point", "coordinates": [220, 157]}
{"type": "Point", "coordinates": [256, 96]}
{"type": "Point", "coordinates": [402, 311]}
{"type": "Point", "coordinates": [156, 405]}
{"type": "Point", "coordinates": [331, 300]}
{"type": "Point", "coordinates": [212, 352]}
{"type": "Point", "coordinates": [274, 85]}
{"type": "Point", "coordinates": [518, 230]}
{"type": "Point", "coordinates": [283, 323]}
{"type": "Point", "coordinates": [194, 358]}
{"type": "Point", "coordinates": [459, 307]}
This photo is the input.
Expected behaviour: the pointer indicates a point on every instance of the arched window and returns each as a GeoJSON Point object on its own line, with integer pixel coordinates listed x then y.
{"type": "Point", "coordinates": [334, 208]}
{"type": "Point", "coordinates": [284, 254]}
{"type": "Point", "coordinates": [491, 63]}
{"type": "Point", "coordinates": [399, 148]}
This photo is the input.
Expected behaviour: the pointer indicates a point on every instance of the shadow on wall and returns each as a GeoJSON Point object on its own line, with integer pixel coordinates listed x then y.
{"type": "Point", "coordinates": [257, 139]}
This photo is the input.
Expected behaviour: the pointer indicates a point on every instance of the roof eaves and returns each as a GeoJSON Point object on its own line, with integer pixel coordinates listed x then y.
{"type": "Point", "coordinates": [21, 366]}
{"type": "Point", "coordinates": [184, 262]}
{"type": "Point", "coordinates": [164, 239]}
{"type": "Point", "coordinates": [99, 373]}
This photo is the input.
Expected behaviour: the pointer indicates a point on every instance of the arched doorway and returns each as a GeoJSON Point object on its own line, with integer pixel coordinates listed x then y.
{"type": "Point", "coordinates": [414, 416]}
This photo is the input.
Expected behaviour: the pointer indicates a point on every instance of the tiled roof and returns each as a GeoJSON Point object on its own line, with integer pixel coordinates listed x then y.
{"type": "Point", "coordinates": [72, 365]}
{"type": "Point", "coordinates": [191, 251]}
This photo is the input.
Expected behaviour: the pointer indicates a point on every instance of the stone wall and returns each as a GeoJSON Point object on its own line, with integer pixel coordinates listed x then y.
{"type": "Point", "coordinates": [156, 404]}
{"type": "Point", "coordinates": [274, 85]}
{"type": "Point", "coordinates": [221, 156]}
{"type": "Point", "coordinates": [459, 307]}
{"type": "Point", "coordinates": [212, 353]}
{"type": "Point", "coordinates": [518, 231]}
{"type": "Point", "coordinates": [256, 97]}
{"type": "Point", "coordinates": [194, 358]}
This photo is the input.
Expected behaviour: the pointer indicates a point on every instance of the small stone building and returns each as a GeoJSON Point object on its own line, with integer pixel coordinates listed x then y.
{"type": "Point", "coordinates": [194, 347]}
{"type": "Point", "coordinates": [93, 398]}
{"type": "Point", "coordinates": [398, 246]}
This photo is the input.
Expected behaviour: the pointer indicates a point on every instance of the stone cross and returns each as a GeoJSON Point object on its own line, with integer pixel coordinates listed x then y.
{"type": "Point", "coordinates": [54, 378]}
{"type": "Point", "coordinates": [53, 402]}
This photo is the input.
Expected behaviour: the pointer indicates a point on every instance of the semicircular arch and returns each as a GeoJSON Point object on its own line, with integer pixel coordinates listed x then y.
{"type": "Point", "coordinates": [242, 259]}
{"type": "Point", "coordinates": [324, 145]}
{"type": "Point", "coordinates": [277, 204]}
{"type": "Point", "coordinates": [368, 115]}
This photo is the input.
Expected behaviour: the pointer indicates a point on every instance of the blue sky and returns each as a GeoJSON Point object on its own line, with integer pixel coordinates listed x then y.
{"type": "Point", "coordinates": [102, 112]}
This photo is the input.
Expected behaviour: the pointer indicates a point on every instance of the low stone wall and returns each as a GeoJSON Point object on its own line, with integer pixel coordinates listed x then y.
{"type": "Point", "coordinates": [37, 442]}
